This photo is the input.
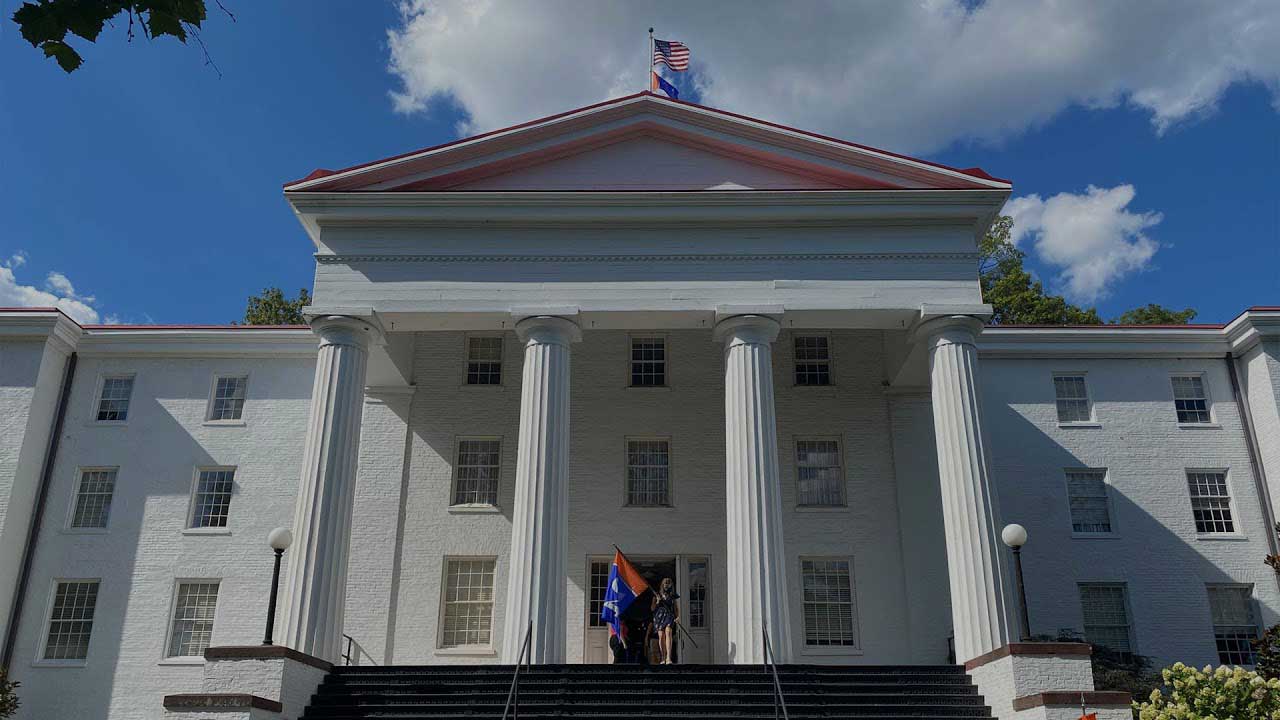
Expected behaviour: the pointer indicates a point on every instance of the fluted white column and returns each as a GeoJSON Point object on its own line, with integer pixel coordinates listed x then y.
{"type": "Point", "coordinates": [315, 593]}
{"type": "Point", "coordinates": [540, 515]}
{"type": "Point", "coordinates": [969, 509]}
{"type": "Point", "coordinates": [755, 557]}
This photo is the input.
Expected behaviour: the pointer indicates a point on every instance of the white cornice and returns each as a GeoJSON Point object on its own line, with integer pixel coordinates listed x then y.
{"type": "Point", "coordinates": [229, 342]}
{"type": "Point", "coordinates": [1102, 341]}
{"type": "Point", "coordinates": [35, 325]}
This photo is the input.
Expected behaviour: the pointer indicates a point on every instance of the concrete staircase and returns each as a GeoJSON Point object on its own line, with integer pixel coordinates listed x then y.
{"type": "Point", "coordinates": [629, 692]}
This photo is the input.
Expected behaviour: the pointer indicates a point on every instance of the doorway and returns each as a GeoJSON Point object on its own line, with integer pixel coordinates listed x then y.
{"type": "Point", "coordinates": [692, 577]}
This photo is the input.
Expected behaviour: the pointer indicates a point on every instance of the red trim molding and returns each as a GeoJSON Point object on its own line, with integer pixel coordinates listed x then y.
{"type": "Point", "coordinates": [220, 701]}
{"type": "Point", "coordinates": [264, 652]}
{"type": "Point", "coordinates": [1069, 698]}
{"type": "Point", "coordinates": [1048, 649]}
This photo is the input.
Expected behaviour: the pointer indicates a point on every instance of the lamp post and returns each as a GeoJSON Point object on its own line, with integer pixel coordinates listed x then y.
{"type": "Point", "coordinates": [1015, 536]}
{"type": "Point", "coordinates": [279, 540]}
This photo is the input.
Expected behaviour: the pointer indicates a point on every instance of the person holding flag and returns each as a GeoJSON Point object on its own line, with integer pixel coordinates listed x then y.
{"type": "Point", "coordinates": [626, 585]}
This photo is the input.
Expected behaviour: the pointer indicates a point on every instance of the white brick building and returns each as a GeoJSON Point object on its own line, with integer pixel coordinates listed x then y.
{"type": "Point", "coordinates": [750, 356]}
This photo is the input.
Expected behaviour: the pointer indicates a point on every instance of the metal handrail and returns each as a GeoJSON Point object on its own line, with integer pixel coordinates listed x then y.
{"type": "Point", "coordinates": [779, 702]}
{"type": "Point", "coordinates": [524, 658]}
{"type": "Point", "coordinates": [346, 656]}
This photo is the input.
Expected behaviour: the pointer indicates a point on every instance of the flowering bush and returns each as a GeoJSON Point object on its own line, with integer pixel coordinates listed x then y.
{"type": "Point", "coordinates": [1209, 694]}
{"type": "Point", "coordinates": [8, 695]}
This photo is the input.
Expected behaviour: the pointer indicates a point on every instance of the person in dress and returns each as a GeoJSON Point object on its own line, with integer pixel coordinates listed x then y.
{"type": "Point", "coordinates": [666, 613]}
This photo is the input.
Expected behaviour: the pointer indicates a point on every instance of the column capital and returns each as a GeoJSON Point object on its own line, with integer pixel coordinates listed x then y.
{"type": "Point", "coordinates": [751, 329]}
{"type": "Point", "coordinates": [548, 330]}
{"type": "Point", "coordinates": [346, 330]}
{"type": "Point", "coordinates": [949, 330]}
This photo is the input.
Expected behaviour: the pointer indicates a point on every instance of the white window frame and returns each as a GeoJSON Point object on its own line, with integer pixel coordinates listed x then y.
{"type": "Point", "coordinates": [828, 650]}
{"type": "Point", "coordinates": [97, 397]}
{"type": "Point", "coordinates": [844, 472]}
{"type": "Point", "coordinates": [190, 527]}
{"type": "Point", "coordinates": [831, 357]}
{"type": "Point", "coordinates": [479, 650]}
{"type": "Point", "coordinates": [1128, 611]}
{"type": "Point", "coordinates": [504, 367]}
{"type": "Point", "coordinates": [170, 620]}
{"type": "Point", "coordinates": [1236, 532]}
{"type": "Point", "coordinates": [1212, 422]}
{"type": "Point", "coordinates": [453, 485]}
{"type": "Point", "coordinates": [45, 626]}
{"type": "Point", "coordinates": [666, 360]}
{"type": "Point", "coordinates": [626, 468]}
{"type": "Point", "coordinates": [213, 390]}
{"type": "Point", "coordinates": [75, 500]}
{"type": "Point", "coordinates": [687, 597]}
{"type": "Point", "coordinates": [1092, 421]}
{"type": "Point", "coordinates": [1111, 508]}
{"type": "Point", "coordinates": [1253, 611]}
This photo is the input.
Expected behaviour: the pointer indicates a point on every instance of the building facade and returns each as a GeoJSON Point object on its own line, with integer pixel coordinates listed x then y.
{"type": "Point", "coordinates": [751, 357]}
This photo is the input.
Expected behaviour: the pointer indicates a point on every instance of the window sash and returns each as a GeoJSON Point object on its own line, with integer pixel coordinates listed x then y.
{"type": "Point", "coordinates": [812, 355]}
{"type": "Point", "coordinates": [228, 398]}
{"type": "Point", "coordinates": [820, 477]}
{"type": "Point", "coordinates": [1106, 616]}
{"type": "Point", "coordinates": [1210, 502]}
{"type": "Point", "coordinates": [93, 499]}
{"type": "Point", "coordinates": [697, 593]}
{"type": "Point", "coordinates": [468, 604]}
{"type": "Point", "coordinates": [194, 607]}
{"type": "Point", "coordinates": [648, 473]}
{"type": "Point", "coordinates": [211, 506]}
{"type": "Point", "coordinates": [648, 362]}
{"type": "Point", "coordinates": [1072, 397]}
{"type": "Point", "coordinates": [484, 361]}
{"type": "Point", "coordinates": [1088, 502]}
{"type": "Point", "coordinates": [71, 620]}
{"type": "Point", "coordinates": [477, 472]}
{"type": "Point", "coordinates": [1234, 625]}
{"type": "Point", "coordinates": [1190, 399]}
{"type": "Point", "coordinates": [828, 604]}
{"type": "Point", "coordinates": [599, 585]}
{"type": "Point", "coordinates": [113, 400]}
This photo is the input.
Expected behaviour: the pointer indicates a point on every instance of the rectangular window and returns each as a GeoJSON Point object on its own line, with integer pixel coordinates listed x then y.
{"type": "Point", "coordinates": [1073, 398]}
{"type": "Point", "coordinates": [648, 473]}
{"type": "Point", "coordinates": [828, 604]}
{"type": "Point", "coordinates": [1190, 399]}
{"type": "Point", "coordinates": [484, 361]}
{"type": "Point", "coordinates": [71, 620]}
{"type": "Point", "coordinates": [93, 498]}
{"type": "Point", "coordinates": [648, 362]}
{"type": "Point", "coordinates": [212, 502]}
{"type": "Point", "coordinates": [698, 594]}
{"type": "Point", "coordinates": [1234, 626]}
{"type": "Point", "coordinates": [113, 401]}
{"type": "Point", "coordinates": [1106, 616]}
{"type": "Point", "coordinates": [468, 603]}
{"type": "Point", "coordinates": [599, 586]}
{"type": "Point", "coordinates": [819, 474]}
{"type": "Point", "coordinates": [1210, 502]}
{"type": "Point", "coordinates": [193, 611]}
{"type": "Point", "coordinates": [812, 360]}
{"type": "Point", "coordinates": [1087, 495]}
{"type": "Point", "coordinates": [476, 472]}
{"type": "Point", "coordinates": [227, 402]}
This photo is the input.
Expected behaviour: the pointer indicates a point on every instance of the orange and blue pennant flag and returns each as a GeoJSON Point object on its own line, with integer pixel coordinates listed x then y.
{"type": "Point", "coordinates": [659, 83]}
{"type": "Point", "coordinates": [625, 585]}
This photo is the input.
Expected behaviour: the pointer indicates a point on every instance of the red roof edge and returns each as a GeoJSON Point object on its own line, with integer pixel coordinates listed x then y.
{"type": "Point", "coordinates": [972, 172]}
{"type": "Point", "coordinates": [1105, 326]}
{"type": "Point", "coordinates": [196, 327]}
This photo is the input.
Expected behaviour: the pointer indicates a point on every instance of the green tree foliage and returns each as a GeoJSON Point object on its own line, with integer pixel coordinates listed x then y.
{"type": "Point", "coordinates": [1016, 298]}
{"type": "Point", "coordinates": [8, 695]}
{"type": "Point", "coordinates": [1154, 314]}
{"type": "Point", "coordinates": [273, 308]}
{"type": "Point", "coordinates": [46, 23]}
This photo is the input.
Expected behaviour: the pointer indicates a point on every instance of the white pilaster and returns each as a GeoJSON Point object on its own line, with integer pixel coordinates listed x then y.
{"type": "Point", "coordinates": [969, 510]}
{"type": "Point", "coordinates": [315, 594]}
{"type": "Point", "coordinates": [539, 518]}
{"type": "Point", "coordinates": [755, 558]}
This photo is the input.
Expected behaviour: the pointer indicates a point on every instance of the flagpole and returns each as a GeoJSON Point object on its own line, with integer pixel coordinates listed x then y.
{"type": "Point", "coordinates": [648, 73]}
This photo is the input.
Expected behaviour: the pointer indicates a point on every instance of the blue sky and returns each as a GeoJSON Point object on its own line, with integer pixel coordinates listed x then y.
{"type": "Point", "coordinates": [151, 184]}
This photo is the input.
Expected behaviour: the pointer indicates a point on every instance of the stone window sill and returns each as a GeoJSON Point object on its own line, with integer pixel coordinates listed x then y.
{"type": "Point", "coordinates": [223, 423]}
{"type": "Point", "coordinates": [1222, 537]}
{"type": "Point", "coordinates": [1089, 424]}
{"type": "Point", "coordinates": [1095, 536]}
{"type": "Point", "coordinates": [473, 509]}
{"type": "Point", "coordinates": [60, 663]}
{"type": "Point", "coordinates": [822, 508]}
{"type": "Point", "coordinates": [830, 651]}
{"type": "Point", "coordinates": [649, 388]}
{"type": "Point", "coordinates": [184, 661]}
{"type": "Point", "coordinates": [1197, 426]}
{"type": "Point", "coordinates": [468, 652]}
{"type": "Point", "coordinates": [214, 531]}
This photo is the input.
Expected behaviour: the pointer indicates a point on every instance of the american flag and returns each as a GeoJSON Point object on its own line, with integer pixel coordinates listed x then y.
{"type": "Point", "coordinates": [674, 55]}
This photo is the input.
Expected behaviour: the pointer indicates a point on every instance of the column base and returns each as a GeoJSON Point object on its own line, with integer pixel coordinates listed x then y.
{"type": "Point", "coordinates": [252, 682]}
{"type": "Point", "coordinates": [1043, 681]}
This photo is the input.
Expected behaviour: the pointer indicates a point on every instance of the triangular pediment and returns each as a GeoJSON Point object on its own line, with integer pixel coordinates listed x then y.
{"type": "Point", "coordinates": [645, 143]}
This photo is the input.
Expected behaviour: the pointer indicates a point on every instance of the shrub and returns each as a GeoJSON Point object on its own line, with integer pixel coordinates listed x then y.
{"type": "Point", "coordinates": [1209, 694]}
{"type": "Point", "coordinates": [8, 695]}
{"type": "Point", "coordinates": [1112, 670]}
{"type": "Point", "coordinates": [1268, 650]}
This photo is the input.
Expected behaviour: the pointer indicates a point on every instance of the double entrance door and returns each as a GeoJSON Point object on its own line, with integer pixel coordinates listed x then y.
{"type": "Point", "coordinates": [692, 577]}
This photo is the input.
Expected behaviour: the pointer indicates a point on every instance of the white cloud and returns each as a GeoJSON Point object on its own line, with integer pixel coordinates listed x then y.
{"type": "Point", "coordinates": [58, 292]}
{"type": "Point", "coordinates": [909, 76]}
{"type": "Point", "coordinates": [1092, 239]}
